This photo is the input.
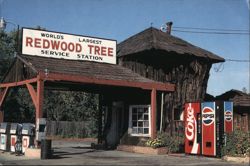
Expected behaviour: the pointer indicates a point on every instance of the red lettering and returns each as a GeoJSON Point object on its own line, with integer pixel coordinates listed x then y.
{"type": "Point", "coordinates": [110, 51]}
{"type": "Point", "coordinates": [46, 43]}
{"type": "Point", "coordinates": [90, 48]}
{"type": "Point", "coordinates": [37, 43]}
{"type": "Point", "coordinates": [55, 44]}
{"type": "Point", "coordinates": [103, 51]}
{"type": "Point", "coordinates": [97, 50]}
{"type": "Point", "coordinates": [71, 46]}
{"type": "Point", "coordinates": [64, 46]}
{"type": "Point", "coordinates": [58, 45]}
{"type": "Point", "coordinates": [29, 41]}
{"type": "Point", "coordinates": [78, 48]}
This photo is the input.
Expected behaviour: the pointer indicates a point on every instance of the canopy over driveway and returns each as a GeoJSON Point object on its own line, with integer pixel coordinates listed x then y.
{"type": "Point", "coordinates": [33, 71]}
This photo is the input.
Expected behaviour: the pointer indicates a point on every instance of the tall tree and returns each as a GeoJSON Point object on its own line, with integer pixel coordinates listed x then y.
{"type": "Point", "coordinates": [19, 106]}
{"type": "Point", "coordinates": [58, 105]}
{"type": "Point", "coordinates": [7, 50]}
{"type": "Point", "coordinates": [70, 105]}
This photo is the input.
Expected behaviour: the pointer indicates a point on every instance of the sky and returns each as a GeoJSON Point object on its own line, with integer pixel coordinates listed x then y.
{"type": "Point", "coordinates": [120, 19]}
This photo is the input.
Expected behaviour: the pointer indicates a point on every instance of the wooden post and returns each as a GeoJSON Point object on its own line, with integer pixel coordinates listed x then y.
{"type": "Point", "coordinates": [172, 122]}
{"type": "Point", "coordinates": [37, 98]}
{"type": "Point", "coordinates": [3, 95]}
{"type": "Point", "coordinates": [153, 113]}
{"type": "Point", "coordinates": [40, 96]}
{"type": "Point", "coordinates": [1, 116]}
{"type": "Point", "coordinates": [100, 119]}
{"type": "Point", "coordinates": [162, 102]}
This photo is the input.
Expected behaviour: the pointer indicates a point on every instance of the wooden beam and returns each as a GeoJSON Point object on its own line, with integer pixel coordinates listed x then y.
{"type": "Point", "coordinates": [19, 83]}
{"type": "Point", "coordinates": [92, 80]}
{"type": "Point", "coordinates": [153, 113]}
{"type": "Point", "coordinates": [27, 63]}
{"type": "Point", "coordinates": [33, 94]}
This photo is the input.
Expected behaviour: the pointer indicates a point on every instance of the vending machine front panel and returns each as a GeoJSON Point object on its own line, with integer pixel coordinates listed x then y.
{"type": "Point", "coordinates": [192, 142]}
{"type": "Point", "coordinates": [228, 117]}
{"type": "Point", "coordinates": [208, 128]}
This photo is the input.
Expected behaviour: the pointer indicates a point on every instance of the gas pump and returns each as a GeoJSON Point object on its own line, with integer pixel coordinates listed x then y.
{"type": "Point", "coordinates": [40, 129]}
{"type": "Point", "coordinates": [5, 136]}
{"type": "Point", "coordinates": [27, 135]}
{"type": "Point", "coordinates": [15, 132]}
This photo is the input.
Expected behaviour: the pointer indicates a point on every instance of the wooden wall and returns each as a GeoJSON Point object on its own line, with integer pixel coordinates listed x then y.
{"type": "Point", "coordinates": [242, 118]}
{"type": "Point", "coordinates": [190, 76]}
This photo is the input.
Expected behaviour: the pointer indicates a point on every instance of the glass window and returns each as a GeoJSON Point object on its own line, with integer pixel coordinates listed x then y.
{"type": "Point", "coordinates": [139, 120]}
{"type": "Point", "coordinates": [134, 130]}
{"type": "Point", "coordinates": [134, 123]}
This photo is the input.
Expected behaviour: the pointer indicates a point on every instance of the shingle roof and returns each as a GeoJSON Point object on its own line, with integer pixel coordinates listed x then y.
{"type": "Point", "coordinates": [85, 68]}
{"type": "Point", "coordinates": [153, 38]}
{"type": "Point", "coordinates": [239, 98]}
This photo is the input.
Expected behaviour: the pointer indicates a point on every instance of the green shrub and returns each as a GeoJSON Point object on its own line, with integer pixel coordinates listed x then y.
{"type": "Point", "coordinates": [173, 143]}
{"type": "Point", "coordinates": [237, 144]}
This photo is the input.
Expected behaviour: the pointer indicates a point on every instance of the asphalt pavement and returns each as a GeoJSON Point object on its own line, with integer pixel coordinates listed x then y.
{"type": "Point", "coordinates": [80, 153]}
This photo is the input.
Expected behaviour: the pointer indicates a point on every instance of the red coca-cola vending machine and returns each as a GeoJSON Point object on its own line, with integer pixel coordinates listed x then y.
{"type": "Point", "coordinates": [205, 126]}
{"type": "Point", "coordinates": [192, 116]}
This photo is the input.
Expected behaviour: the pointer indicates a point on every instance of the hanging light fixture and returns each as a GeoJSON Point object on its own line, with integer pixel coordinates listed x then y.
{"type": "Point", "coordinates": [2, 23]}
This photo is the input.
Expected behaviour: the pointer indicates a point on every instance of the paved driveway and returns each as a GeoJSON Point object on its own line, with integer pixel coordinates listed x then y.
{"type": "Point", "coordinates": [79, 153]}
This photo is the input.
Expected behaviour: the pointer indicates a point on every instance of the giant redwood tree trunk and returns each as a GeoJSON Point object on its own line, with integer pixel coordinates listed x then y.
{"type": "Point", "coordinates": [190, 78]}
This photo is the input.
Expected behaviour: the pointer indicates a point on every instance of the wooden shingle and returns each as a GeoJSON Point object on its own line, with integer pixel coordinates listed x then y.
{"type": "Point", "coordinates": [154, 39]}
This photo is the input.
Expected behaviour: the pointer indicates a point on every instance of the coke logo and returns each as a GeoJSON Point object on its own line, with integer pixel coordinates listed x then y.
{"type": "Point", "coordinates": [190, 123]}
{"type": "Point", "coordinates": [228, 116]}
{"type": "Point", "coordinates": [208, 116]}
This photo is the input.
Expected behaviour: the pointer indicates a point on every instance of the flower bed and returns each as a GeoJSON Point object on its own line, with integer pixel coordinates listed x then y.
{"type": "Point", "coordinates": [142, 149]}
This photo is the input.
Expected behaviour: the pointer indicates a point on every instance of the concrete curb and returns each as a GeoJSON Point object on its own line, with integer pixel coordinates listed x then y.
{"type": "Point", "coordinates": [142, 149]}
{"type": "Point", "coordinates": [237, 159]}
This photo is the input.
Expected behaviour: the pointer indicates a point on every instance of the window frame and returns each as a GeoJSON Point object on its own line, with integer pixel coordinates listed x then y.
{"type": "Point", "coordinates": [130, 121]}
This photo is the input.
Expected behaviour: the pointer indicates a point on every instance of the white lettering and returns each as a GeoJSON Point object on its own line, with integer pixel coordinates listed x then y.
{"type": "Point", "coordinates": [190, 120]}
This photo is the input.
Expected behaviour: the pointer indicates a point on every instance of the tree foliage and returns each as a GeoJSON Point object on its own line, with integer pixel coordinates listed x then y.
{"type": "Point", "coordinates": [73, 106]}
{"type": "Point", "coordinates": [58, 105]}
{"type": "Point", "coordinates": [18, 106]}
{"type": "Point", "coordinates": [70, 105]}
{"type": "Point", "coordinates": [7, 50]}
